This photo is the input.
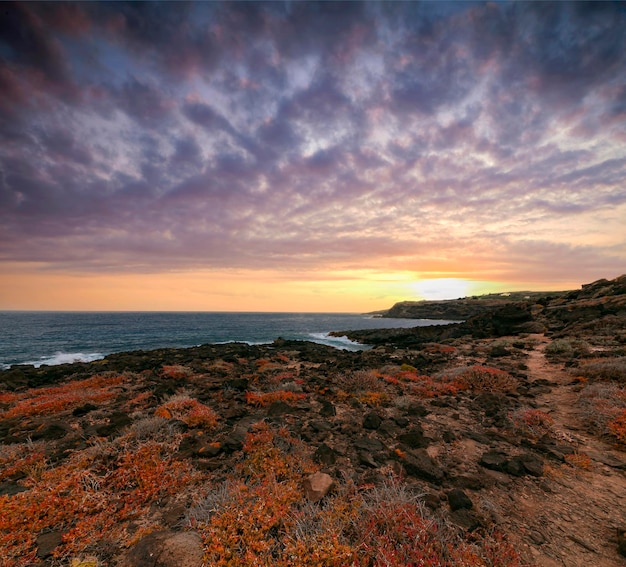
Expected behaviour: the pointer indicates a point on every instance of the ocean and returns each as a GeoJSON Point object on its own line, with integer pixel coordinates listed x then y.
{"type": "Point", "coordinates": [44, 337]}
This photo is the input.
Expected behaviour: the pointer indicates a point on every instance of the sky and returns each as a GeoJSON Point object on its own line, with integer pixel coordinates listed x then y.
{"type": "Point", "coordinates": [307, 156]}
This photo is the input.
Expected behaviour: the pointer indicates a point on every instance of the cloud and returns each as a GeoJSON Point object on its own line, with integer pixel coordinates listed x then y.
{"type": "Point", "coordinates": [158, 136]}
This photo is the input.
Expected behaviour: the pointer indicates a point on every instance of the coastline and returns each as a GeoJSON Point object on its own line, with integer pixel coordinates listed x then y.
{"type": "Point", "coordinates": [484, 432]}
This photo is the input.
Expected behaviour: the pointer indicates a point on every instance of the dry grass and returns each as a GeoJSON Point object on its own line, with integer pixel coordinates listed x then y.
{"type": "Point", "coordinates": [612, 369]}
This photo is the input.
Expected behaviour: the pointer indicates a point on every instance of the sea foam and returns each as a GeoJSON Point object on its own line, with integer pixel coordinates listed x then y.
{"type": "Point", "coordinates": [66, 358]}
{"type": "Point", "coordinates": [342, 343]}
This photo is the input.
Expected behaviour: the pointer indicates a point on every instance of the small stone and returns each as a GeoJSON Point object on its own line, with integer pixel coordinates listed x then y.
{"type": "Point", "coordinates": [317, 485]}
{"type": "Point", "coordinates": [459, 500]}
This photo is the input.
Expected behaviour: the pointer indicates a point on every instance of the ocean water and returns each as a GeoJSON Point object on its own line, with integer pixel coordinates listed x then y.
{"type": "Point", "coordinates": [44, 337]}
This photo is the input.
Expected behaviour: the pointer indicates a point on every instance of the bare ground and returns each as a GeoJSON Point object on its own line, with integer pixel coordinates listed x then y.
{"type": "Point", "coordinates": [570, 517]}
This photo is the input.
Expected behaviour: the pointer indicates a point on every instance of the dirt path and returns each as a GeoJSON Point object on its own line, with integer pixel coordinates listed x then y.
{"type": "Point", "coordinates": [570, 518]}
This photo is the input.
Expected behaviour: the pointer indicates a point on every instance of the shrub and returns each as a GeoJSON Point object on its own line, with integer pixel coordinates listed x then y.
{"type": "Point", "coordinates": [55, 399]}
{"type": "Point", "coordinates": [610, 369]}
{"type": "Point", "coordinates": [260, 399]}
{"type": "Point", "coordinates": [176, 371]}
{"type": "Point", "coordinates": [567, 347]}
{"type": "Point", "coordinates": [361, 381]}
{"type": "Point", "coordinates": [188, 410]}
{"type": "Point", "coordinates": [617, 426]}
{"type": "Point", "coordinates": [100, 490]}
{"type": "Point", "coordinates": [374, 399]}
{"type": "Point", "coordinates": [603, 406]}
{"type": "Point", "coordinates": [484, 379]}
{"type": "Point", "coordinates": [578, 460]}
{"type": "Point", "coordinates": [533, 422]}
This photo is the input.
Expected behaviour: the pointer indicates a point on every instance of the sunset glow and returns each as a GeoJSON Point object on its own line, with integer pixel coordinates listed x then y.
{"type": "Point", "coordinates": [307, 156]}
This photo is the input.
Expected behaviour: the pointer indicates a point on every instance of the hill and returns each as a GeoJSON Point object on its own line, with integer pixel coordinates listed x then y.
{"type": "Point", "coordinates": [464, 308]}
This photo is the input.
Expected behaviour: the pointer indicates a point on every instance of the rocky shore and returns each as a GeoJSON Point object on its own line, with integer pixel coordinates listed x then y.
{"type": "Point", "coordinates": [497, 441]}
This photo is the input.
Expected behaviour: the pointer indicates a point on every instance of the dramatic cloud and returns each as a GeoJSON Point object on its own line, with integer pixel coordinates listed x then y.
{"type": "Point", "coordinates": [482, 141]}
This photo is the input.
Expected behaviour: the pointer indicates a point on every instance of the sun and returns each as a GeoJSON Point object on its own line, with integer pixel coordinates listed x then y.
{"type": "Point", "coordinates": [442, 288]}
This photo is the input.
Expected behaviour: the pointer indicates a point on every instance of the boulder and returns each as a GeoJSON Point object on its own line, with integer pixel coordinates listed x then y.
{"type": "Point", "coordinates": [317, 485]}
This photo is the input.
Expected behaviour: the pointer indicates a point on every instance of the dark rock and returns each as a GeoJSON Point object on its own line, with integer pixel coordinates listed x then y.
{"type": "Point", "coordinates": [432, 501]}
{"type": "Point", "coordinates": [366, 459]}
{"type": "Point", "coordinates": [47, 543]}
{"type": "Point", "coordinates": [494, 460]}
{"type": "Point", "coordinates": [458, 499]}
{"type": "Point", "coordinates": [537, 537]}
{"type": "Point", "coordinates": [414, 438]}
{"type": "Point", "coordinates": [372, 421]}
{"type": "Point", "coordinates": [234, 441]}
{"type": "Point", "coordinates": [401, 421]}
{"type": "Point", "coordinates": [515, 467]}
{"type": "Point", "coordinates": [473, 482]}
{"type": "Point", "coordinates": [368, 444]}
{"type": "Point", "coordinates": [417, 410]}
{"type": "Point", "coordinates": [466, 519]}
{"type": "Point", "coordinates": [419, 465]}
{"type": "Point", "coordinates": [279, 408]}
{"type": "Point", "coordinates": [84, 410]}
{"type": "Point", "coordinates": [51, 431]}
{"type": "Point", "coordinates": [448, 436]}
{"type": "Point", "coordinates": [320, 426]}
{"type": "Point", "coordinates": [498, 351]}
{"type": "Point", "coordinates": [445, 402]}
{"type": "Point", "coordinates": [10, 488]}
{"type": "Point", "coordinates": [478, 437]}
{"type": "Point", "coordinates": [621, 541]}
{"type": "Point", "coordinates": [325, 455]}
{"type": "Point", "coordinates": [238, 384]}
{"type": "Point", "coordinates": [117, 422]}
{"type": "Point", "coordinates": [532, 464]}
{"type": "Point", "coordinates": [235, 411]}
{"type": "Point", "coordinates": [327, 409]}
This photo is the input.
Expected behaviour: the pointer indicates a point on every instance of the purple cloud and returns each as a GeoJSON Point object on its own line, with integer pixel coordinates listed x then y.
{"type": "Point", "coordinates": [169, 135]}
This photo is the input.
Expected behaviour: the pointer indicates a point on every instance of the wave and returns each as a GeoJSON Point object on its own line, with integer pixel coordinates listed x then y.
{"type": "Point", "coordinates": [65, 358]}
{"type": "Point", "coordinates": [341, 343]}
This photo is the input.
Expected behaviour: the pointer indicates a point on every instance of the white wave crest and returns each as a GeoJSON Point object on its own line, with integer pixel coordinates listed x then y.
{"type": "Point", "coordinates": [341, 343]}
{"type": "Point", "coordinates": [66, 358]}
